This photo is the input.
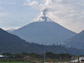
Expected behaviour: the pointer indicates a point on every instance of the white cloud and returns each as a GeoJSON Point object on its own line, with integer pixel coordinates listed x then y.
{"type": "Point", "coordinates": [33, 3]}
{"type": "Point", "coordinates": [11, 28]}
{"type": "Point", "coordinates": [69, 13]}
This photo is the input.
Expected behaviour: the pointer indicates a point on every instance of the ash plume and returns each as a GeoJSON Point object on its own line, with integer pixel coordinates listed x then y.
{"type": "Point", "coordinates": [44, 10]}
{"type": "Point", "coordinates": [66, 13]}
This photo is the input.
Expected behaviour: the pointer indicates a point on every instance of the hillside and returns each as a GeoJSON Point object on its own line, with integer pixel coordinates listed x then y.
{"type": "Point", "coordinates": [76, 41]}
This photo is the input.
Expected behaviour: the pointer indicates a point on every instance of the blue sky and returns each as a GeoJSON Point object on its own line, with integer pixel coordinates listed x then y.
{"type": "Point", "coordinates": [14, 13]}
{"type": "Point", "coordinates": [17, 13]}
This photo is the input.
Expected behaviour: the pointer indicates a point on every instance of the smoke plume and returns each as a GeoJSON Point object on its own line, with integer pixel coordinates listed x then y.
{"type": "Point", "coordinates": [44, 10]}
{"type": "Point", "coordinates": [68, 13]}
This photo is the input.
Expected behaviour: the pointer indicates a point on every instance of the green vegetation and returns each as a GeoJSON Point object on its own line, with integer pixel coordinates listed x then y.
{"type": "Point", "coordinates": [33, 57]}
{"type": "Point", "coordinates": [15, 62]}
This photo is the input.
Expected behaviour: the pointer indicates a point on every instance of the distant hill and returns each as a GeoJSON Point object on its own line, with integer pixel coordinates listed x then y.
{"type": "Point", "coordinates": [13, 44]}
{"type": "Point", "coordinates": [44, 32]}
{"type": "Point", "coordinates": [76, 41]}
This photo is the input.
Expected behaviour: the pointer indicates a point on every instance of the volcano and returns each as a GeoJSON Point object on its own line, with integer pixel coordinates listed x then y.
{"type": "Point", "coordinates": [45, 31]}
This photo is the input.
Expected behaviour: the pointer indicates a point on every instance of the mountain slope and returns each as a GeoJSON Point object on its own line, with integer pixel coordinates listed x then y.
{"type": "Point", "coordinates": [13, 44]}
{"type": "Point", "coordinates": [76, 41]}
{"type": "Point", "coordinates": [44, 32]}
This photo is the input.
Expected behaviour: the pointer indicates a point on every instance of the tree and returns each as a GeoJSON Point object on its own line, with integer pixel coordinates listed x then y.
{"type": "Point", "coordinates": [50, 55]}
{"type": "Point", "coordinates": [6, 54]}
{"type": "Point", "coordinates": [18, 55]}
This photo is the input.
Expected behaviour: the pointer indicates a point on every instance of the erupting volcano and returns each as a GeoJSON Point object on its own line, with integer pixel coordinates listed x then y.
{"type": "Point", "coordinates": [44, 31]}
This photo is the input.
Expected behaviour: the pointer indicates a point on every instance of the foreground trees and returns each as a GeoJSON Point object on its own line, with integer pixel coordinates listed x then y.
{"type": "Point", "coordinates": [48, 55]}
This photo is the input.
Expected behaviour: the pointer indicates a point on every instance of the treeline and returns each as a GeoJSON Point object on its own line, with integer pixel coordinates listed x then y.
{"type": "Point", "coordinates": [34, 56]}
{"type": "Point", "coordinates": [62, 56]}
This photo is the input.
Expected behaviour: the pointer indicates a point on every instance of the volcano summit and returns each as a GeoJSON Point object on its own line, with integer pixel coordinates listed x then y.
{"type": "Point", "coordinates": [45, 31]}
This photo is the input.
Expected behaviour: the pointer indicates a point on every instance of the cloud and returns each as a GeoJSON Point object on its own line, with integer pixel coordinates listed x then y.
{"type": "Point", "coordinates": [33, 3]}
{"type": "Point", "coordinates": [68, 13]}
{"type": "Point", "coordinates": [11, 28]}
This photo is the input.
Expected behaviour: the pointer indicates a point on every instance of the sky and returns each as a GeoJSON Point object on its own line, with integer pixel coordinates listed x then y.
{"type": "Point", "coordinates": [17, 13]}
